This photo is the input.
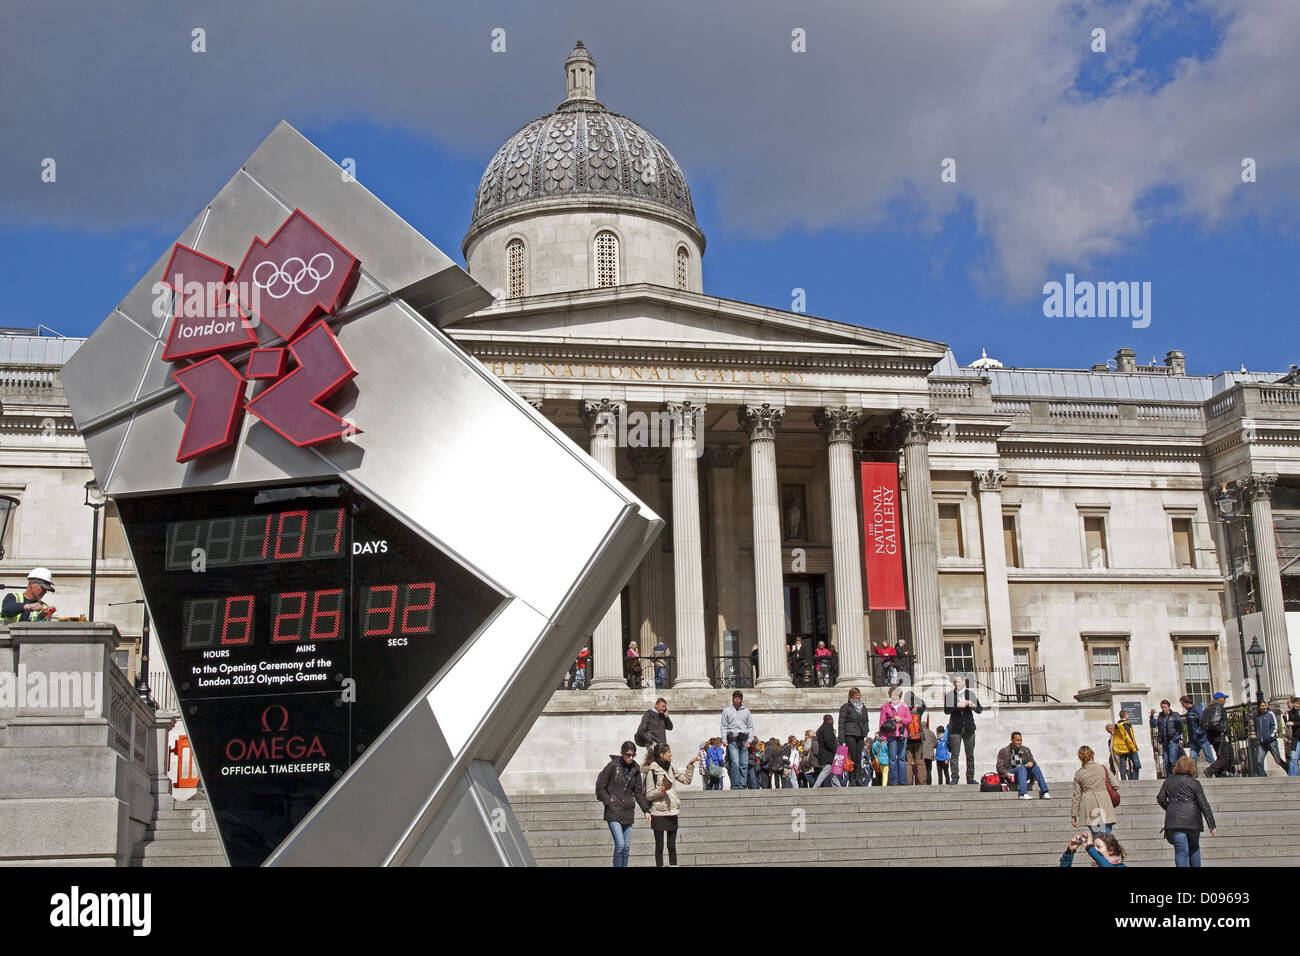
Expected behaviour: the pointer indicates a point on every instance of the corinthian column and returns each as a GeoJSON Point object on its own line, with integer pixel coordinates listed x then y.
{"type": "Point", "coordinates": [601, 419]}
{"type": "Point", "coordinates": [838, 425]}
{"type": "Point", "coordinates": [648, 463]}
{"type": "Point", "coordinates": [916, 428]}
{"type": "Point", "coordinates": [688, 565]}
{"type": "Point", "coordinates": [1258, 490]}
{"type": "Point", "coordinates": [726, 558]}
{"type": "Point", "coordinates": [760, 423]}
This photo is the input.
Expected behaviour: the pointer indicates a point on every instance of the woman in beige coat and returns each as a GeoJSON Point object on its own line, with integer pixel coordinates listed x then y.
{"type": "Point", "coordinates": [665, 804]}
{"type": "Point", "coordinates": [1091, 802]}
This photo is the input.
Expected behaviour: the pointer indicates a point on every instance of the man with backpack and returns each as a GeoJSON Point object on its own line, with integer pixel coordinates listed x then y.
{"type": "Point", "coordinates": [916, 774]}
{"type": "Point", "coordinates": [1198, 742]}
{"type": "Point", "coordinates": [1126, 748]}
{"type": "Point", "coordinates": [1169, 728]}
{"type": "Point", "coordinates": [1214, 721]}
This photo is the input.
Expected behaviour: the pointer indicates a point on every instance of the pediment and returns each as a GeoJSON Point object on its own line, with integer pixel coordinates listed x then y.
{"type": "Point", "coordinates": [655, 315]}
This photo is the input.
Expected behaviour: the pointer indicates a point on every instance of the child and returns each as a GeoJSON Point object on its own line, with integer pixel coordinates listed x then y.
{"type": "Point", "coordinates": [703, 754]}
{"type": "Point", "coordinates": [880, 760]}
{"type": "Point", "coordinates": [942, 755]}
{"type": "Point", "coordinates": [716, 764]}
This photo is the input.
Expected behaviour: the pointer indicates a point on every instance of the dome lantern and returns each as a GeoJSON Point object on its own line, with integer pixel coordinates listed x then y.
{"type": "Point", "coordinates": [580, 77]}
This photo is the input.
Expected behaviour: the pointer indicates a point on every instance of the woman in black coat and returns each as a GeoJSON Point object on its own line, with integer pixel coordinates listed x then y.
{"type": "Point", "coordinates": [855, 727]}
{"type": "Point", "coordinates": [621, 788]}
{"type": "Point", "coordinates": [1184, 804]}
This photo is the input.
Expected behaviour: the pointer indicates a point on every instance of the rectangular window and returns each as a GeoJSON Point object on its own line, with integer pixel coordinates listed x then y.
{"type": "Point", "coordinates": [122, 659]}
{"type": "Point", "coordinates": [950, 544]}
{"type": "Point", "coordinates": [1094, 541]}
{"type": "Point", "coordinates": [959, 657]}
{"type": "Point", "coordinates": [1196, 673]}
{"type": "Point", "coordinates": [1107, 666]}
{"type": "Point", "coordinates": [1009, 541]}
{"type": "Point", "coordinates": [1184, 556]}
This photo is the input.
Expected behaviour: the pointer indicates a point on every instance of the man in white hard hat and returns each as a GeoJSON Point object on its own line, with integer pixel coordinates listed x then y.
{"type": "Point", "coordinates": [30, 607]}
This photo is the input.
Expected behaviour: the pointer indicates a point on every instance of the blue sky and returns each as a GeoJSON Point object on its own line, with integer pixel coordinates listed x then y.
{"type": "Point", "coordinates": [820, 173]}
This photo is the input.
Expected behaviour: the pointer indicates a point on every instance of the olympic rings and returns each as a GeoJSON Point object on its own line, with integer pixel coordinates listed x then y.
{"type": "Point", "coordinates": [292, 281]}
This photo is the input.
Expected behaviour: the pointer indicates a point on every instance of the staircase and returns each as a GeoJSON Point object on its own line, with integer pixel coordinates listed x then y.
{"type": "Point", "coordinates": [1258, 825]}
{"type": "Point", "coordinates": [173, 841]}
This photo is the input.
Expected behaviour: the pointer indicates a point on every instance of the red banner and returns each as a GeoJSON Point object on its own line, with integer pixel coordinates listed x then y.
{"type": "Point", "coordinates": [882, 543]}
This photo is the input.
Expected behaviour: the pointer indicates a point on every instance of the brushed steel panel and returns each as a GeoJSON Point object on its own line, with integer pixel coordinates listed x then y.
{"type": "Point", "coordinates": [105, 372]}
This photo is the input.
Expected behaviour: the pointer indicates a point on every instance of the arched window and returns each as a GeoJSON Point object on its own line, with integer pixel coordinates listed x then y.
{"type": "Point", "coordinates": [515, 268]}
{"type": "Point", "coordinates": [606, 259]}
{"type": "Point", "coordinates": [683, 268]}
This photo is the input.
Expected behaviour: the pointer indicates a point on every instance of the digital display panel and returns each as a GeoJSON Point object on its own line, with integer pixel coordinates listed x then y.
{"type": "Point", "coordinates": [297, 622]}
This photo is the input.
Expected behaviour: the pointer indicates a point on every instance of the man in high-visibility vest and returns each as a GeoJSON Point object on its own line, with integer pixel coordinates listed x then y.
{"type": "Point", "coordinates": [30, 607]}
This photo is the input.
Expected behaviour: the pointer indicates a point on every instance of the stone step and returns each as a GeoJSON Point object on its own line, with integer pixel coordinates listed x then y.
{"type": "Point", "coordinates": [198, 846]}
{"type": "Point", "coordinates": [179, 861]}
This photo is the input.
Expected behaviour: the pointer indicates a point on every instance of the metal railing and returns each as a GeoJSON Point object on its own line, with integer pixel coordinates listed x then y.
{"type": "Point", "coordinates": [1240, 726]}
{"type": "Point", "coordinates": [887, 669]}
{"type": "Point", "coordinates": [1015, 685]}
{"type": "Point", "coordinates": [731, 671]}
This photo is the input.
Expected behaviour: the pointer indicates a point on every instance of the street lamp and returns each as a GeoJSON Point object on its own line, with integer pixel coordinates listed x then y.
{"type": "Point", "coordinates": [94, 499]}
{"type": "Point", "coordinates": [7, 506]}
{"type": "Point", "coordinates": [142, 682]}
{"type": "Point", "coordinates": [1256, 656]}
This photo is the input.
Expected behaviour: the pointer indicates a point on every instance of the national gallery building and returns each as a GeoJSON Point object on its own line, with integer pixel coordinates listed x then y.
{"type": "Point", "coordinates": [1074, 538]}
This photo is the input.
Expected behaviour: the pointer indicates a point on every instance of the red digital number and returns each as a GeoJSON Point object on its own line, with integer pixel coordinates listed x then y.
{"type": "Point", "coordinates": [245, 619]}
{"type": "Point", "coordinates": [338, 532]}
{"type": "Point", "coordinates": [296, 616]}
{"type": "Point", "coordinates": [301, 533]}
{"type": "Point", "coordinates": [390, 610]}
{"type": "Point", "coordinates": [317, 614]}
{"type": "Point", "coordinates": [425, 609]}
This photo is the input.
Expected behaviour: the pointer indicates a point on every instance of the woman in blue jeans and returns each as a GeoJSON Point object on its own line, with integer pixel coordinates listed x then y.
{"type": "Point", "coordinates": [1185, 805]}
{"type": "Point", "coordinates": [621, 788]}
{"type": "Point", "coordinates": [894, 709]}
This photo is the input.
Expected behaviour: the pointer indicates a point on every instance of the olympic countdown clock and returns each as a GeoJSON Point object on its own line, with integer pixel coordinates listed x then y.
{"type": "Point", "coordinates": [368, 562]}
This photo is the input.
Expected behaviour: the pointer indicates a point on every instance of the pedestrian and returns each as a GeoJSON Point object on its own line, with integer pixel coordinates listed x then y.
{"type": "Point", "coordinates": [580, 669]}
{"type": "Point", "coordinates": [654, 727]}
{"type": "Point", "coordinates": [895, 718]}
{"type": "Point", "coordinates": [665, 804]}
{"type": "Point", "coordinates": [1103, 848]}
{"type": "Point", "coordinates": [661, 653]}
{"type": "Point", "coordinates": [827, 744]}
{"type": "Point", "coordinates": [835, 665]}
{"type": "Point", "coordinates": [1091, 801]}
{"type": "Point", "coordinates": [717, 763]}
{"type": "Point", "coordinates": [1185, 805]}
{"type": "Point", "coordinates": [929, 746]}
{"type": "Point", "coordinates": [1126, 748]}
{"type": "Point", "coordinates": [753, 662]}
{"type": "Point", "coordinates": [737, 732]}
{"type": "Point", "coordinates": [1293, 725]}
{"type": "Point", "coordinates": [1016, 765]}
{"type": "Point", "coordinates": [621, 789]}
{"type": "Point", "coordinates": [799, 662]}
{"type": "Point", "coordinates": [941, 755]}
{"type": "Point", "coordinates": [703, 754]}
{"type": "Point", "coordinates": [880, 760]}
{"type": "Point", "coordinates": [1214, 721]}
{"type": "Point", "coordinates": [808, 760]}
{"type": "Point", "coordinates": [632, 666]}
{"type": "Point", "coordinates": [1263, 733]}
{"type": "Point", "coordinates": [753, 772]}
{"type": "Point", "coordinates": [1197, 742]}
{"type": "Point", "coordinates": [855, 728]}
{"type": "Point", "coordinates": [961, 706]}
{"type": "Point", "coordinates": [915, 742]}
{"type": "Point", "coordinates": [1169, 729]}
{"type": "Point", "coordinates": [823, 660]}
{"type": "Point", "coordinates": [788, 765]}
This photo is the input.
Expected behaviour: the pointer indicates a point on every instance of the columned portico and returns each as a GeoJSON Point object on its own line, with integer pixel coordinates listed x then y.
{"type": "Point", "coordinates": [922, 539]}
{"type": "Point", "coordinates": [1258, 490]}
{"type": "Point", "coordinates": [722, 461]}
{"type": "Point", "coordinates": [601, 418]}
{"type": "Point", "coordinates": [988, 484]}
{"type": "Point", "coordinates": [838, 425]}
{"type": "Point", "coordinates": [761, 423]}
{"type": "Point", "coordinates": [688, 564]}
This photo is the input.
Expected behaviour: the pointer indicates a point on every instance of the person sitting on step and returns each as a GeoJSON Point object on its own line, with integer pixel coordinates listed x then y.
{"type": "Point", "coordinates": [1016, 765]}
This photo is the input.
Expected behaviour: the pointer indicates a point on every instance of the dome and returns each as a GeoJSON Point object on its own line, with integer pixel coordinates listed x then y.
{"type": "Point", "coordinates": [582, 154]}
{"type": "Point", "coordinates": [984, 361]}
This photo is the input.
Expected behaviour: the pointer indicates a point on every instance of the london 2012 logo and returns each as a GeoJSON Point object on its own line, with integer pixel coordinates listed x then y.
{"type": "Point", "coordinates": [292, 283]}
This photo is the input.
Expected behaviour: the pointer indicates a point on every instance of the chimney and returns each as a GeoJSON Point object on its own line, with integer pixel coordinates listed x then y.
{"type": "Point", "coordinates": [1125, 361]}
{"type": "Point", "coordinates": [1101, 367]}
{"type": "Point", "coordinates": [1176, 361]}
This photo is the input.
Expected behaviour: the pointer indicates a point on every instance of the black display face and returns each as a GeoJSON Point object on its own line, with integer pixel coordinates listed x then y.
{"type": "Point", "coordinates": [298, 622]}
